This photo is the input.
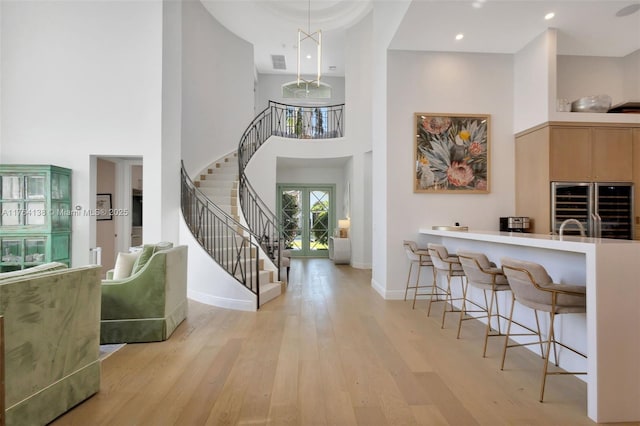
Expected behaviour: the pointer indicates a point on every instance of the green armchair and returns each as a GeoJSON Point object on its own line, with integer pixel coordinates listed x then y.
{"type": "Point", "coordinates": [151, 303]}
{"type": "Point", "coordinates": [51, 328]}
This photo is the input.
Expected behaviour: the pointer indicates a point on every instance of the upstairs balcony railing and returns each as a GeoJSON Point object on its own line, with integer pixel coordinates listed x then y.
{"type": "Point", "coordinates": [222, 237]}
{"type": "Point", "coordinates": [289, 121]}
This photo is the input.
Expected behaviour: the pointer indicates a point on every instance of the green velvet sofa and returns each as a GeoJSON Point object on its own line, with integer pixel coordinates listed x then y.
{"type": "Point", "coordinates": [52, 332]}
{"type": "Point", "coordinates": [148, 305]}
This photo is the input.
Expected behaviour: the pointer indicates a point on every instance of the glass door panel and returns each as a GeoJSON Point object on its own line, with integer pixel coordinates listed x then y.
{"type": "Point", "coordinates": [291, 218]}
{"type": "Point", "coordinates": [319, 220]}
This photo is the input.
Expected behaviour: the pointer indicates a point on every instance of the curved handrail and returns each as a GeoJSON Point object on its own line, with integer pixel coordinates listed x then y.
{"type": "Point", "coordinates": [290, 121]}
{"type": "Point", "coordinates": [220, 235]}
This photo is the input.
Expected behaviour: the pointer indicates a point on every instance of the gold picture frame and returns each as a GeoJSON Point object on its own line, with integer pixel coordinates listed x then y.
{"type": "Point", "coordinates": [451, 153]}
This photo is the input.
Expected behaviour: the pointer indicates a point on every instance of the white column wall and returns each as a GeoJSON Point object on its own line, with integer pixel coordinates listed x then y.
{"type": "Point", "coordinates": [171, 121]}
{"type": "Point", "coordinates": [386, 18]}
{"type": "Point", "coordinates": [82, 79]}
{"type": "Point", "coordinates": [534, 71]}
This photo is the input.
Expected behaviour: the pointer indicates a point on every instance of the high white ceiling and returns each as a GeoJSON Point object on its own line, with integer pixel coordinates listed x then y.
{"type": "Point", "coordinates": [585, 27]}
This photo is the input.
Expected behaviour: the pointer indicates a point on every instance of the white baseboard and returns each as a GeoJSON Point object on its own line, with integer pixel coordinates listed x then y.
{"type": "Point", "coordinates": [222, 302]}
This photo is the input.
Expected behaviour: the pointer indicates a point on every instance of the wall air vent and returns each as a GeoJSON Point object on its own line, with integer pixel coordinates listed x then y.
{"type": "Point", "coordinates": [278, 62]}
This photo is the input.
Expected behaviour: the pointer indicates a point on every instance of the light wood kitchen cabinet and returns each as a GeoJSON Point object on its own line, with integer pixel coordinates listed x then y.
{"type": "Point", "coordinates": [573, 152]}
{"type": "Point", "coordinates": [532, 178]}
{"type": "Point", "coordinates": [593, 154]}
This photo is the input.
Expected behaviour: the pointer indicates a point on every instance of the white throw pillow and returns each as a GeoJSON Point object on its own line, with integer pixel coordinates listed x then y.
{"type": "Point", "coordinates": [124, 265]}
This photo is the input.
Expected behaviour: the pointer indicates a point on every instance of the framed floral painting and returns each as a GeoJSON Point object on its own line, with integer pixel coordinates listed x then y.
{"type": "Point", "coordinates": [451, 153]}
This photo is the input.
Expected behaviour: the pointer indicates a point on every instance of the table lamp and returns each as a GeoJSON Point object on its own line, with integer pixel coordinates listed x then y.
{"type": "Point", "coordinates": [343, 225]}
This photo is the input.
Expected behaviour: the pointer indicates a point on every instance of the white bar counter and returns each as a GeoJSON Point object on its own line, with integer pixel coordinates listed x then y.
{"type": "Point", "coordinates": [610, 269]}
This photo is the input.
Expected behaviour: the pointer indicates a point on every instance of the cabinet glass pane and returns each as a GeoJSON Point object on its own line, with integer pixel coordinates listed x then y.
{"type": "Point", "coordinates": [35, 213]}
{"type": "Point", "coordinates": [11, 187]}
{"type": "Point", "coordinates": [35, 187]}
{"type": "Point", "coordinates": [12, 214]}
{"type": "Point", "coordinates": [34, 249]}
{"type": "Point", "coordinates": [55, 186]}
{"type": "Point", "coordinates": [11, 250]}
{"type": "Point", "coordinates": [61, 216]}
{"type": "Point", "coordinates": [60, 188]}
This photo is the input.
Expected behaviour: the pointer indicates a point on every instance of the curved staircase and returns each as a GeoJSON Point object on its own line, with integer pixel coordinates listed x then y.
{"type": "Point", "coordinates": [211, 205]}
{"type": "Point", "coordinates": [219, 183]}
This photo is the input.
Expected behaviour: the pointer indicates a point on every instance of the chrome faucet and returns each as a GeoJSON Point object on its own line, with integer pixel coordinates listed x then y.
{"type": "Point", "coordinates": [576, 222]}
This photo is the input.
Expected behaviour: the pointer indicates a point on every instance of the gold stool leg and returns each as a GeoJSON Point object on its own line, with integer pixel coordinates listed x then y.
{"type": "Point", "coordinates": [447, 297]}
{"type": "Point", "coordinates": [488, 329]}
{"type": "Point", "coordinates": [406, 289]}
{"type": "Point", "coordinates": [550, 339]}
{"type": "Point", "coordinates": [434, 291]}
{"type": "Point", "coordinates": [506, 339]}
{"type": "Point", "coordinates": [463, 309]}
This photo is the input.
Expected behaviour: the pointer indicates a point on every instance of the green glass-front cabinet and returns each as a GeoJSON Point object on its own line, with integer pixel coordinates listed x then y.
{"type": "Point", "coordinates": [35, 224]}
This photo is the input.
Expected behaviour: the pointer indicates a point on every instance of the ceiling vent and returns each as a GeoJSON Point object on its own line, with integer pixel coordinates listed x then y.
{"type": "Point", "coordinates": [278, 62]}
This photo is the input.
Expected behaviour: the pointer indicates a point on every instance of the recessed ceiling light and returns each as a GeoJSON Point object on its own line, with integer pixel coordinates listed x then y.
{"type": "Point", "coordinates": [549, 15]}
{"type": "Point", "coordinates": [308, 56]}
{"type": "Point", "coordinates": [628, 10]}
{"type": "Point", "coordinates": [459, 36]}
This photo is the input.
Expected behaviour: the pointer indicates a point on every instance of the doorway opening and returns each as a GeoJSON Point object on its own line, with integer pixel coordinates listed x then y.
{"type": "Point", "coordinates": [119, 178]}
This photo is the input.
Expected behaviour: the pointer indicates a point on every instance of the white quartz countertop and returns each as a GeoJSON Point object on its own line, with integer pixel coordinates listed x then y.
{"type": "Point", "coordinates": [554, 242]}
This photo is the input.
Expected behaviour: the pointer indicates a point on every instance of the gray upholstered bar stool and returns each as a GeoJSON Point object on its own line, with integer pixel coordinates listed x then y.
{"type": "Point", "coordinates": [420, 258]}
{"type": "Point", "coordinates": [449, 265]}
{"type": "Point", "coordinates": [484, 275]}
{"type": "Point", "coordinates": [533, 287]}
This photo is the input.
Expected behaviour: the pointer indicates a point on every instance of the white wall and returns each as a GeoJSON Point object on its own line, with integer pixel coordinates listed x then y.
{"type": "Point", "coordinates": [269, 88]}
{"type": "Point", "coordinates": [632, 76]}
{"type": "Point", "coordinates": [82, 79]}
{"type": "Point", "coordinates": [313, 174]}
{"type": "Point", "coordinates": [444, 83]}
{"type": "Point", "coordinates": [218, 97]}
{"type": "Point", "coordinates": [262, 171]}
{"type": "Point", "coordinates": [534, 65]}
{"type": "Point", "coordinates": [580, 76]}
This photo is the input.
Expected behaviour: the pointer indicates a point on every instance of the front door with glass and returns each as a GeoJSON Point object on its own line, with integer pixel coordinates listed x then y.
{"type": "Point", "coordinates": [307, 215]}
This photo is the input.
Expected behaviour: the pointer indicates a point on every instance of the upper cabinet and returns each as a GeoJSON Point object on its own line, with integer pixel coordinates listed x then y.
{"type": "Point", "coordinates": [588, 153]}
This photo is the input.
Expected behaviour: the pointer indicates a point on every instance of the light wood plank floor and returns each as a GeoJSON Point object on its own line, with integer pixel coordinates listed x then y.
{"type": "Point", "coordinates": [330, 351]}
